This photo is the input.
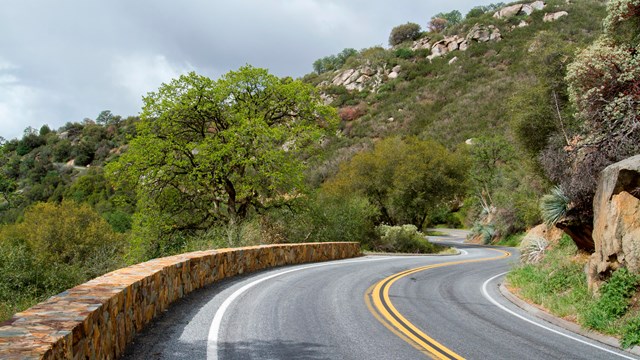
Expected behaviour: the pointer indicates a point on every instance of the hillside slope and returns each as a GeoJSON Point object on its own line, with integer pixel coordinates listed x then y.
{"type": "Point", "coordinates": [494, 81]}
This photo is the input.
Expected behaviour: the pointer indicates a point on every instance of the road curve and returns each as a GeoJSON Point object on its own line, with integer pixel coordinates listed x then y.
{"type": "Point", "coordinates": [321, 311]}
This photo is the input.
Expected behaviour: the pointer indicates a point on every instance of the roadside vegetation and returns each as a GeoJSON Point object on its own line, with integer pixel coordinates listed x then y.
{"type": "Point", "coordinates": [558, 283]}
{"type": "Point", "coordinates": [251, 158]}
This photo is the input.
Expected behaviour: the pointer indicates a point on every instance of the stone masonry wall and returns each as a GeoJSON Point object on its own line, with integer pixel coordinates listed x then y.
{"type": "Point", "coordinates": [97, 319]}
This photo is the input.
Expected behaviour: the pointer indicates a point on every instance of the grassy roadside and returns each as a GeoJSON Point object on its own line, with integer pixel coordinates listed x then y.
{"type": "Point", "coordinates": [558, 283]}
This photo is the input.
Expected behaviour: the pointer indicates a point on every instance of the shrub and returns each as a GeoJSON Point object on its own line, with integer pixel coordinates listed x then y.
{"type": "Point", "coordinates": [485, 231]}
{"type": "Point", "coordinates": [438, 24]}
{"type": "Point", "coordinates": [55, 247]}
{"type": "Point", "coordinates": [406, 179]}
{"type": "Point", "coordinates": [631, 333]}
{"type": "Point", "coordinates": [557, 282]}
{"type": "Point", "coordinates": [614, 300]}
{"type": "Point", "coordinates": [321, 217]}
{"type": "Point", "coordinates": [333, 62]}
{"type": "Point", "coordinates": [404, 53]}
{"type": "Point", "coordinates": [350, 113]}
{"type": "Point", "coordinates": [603, 86]}
{"type": "Point", "coordinates": [404, 239]}
{"type": "Point", "coordinates": [67, 233]}
{"type": "Point", "coordinates": [401, 33]}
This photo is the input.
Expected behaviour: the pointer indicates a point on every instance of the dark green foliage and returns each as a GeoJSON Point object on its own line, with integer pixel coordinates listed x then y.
{"type": "Point", "coordinates": [558, 281]}
{"type": "Point", "coordinates": [404, 53]}
{"type": "Point", "coordinates": [614, 300]}
{"type": "Point", "coordinates": [29, 142]}
{"type": "Point", "coordinates": [631, 333]}
{"type": "Point", "coordinates": [119, 220]}
{"type": "Point", "coordinates": [559, 284]}
{"type": "Point", "coordinates": [54, 248]}
{"type": "Point", "coordinates": [406, 179]}
{"type": "Point", "coordinates": [333, 62]}
{"type": "Point", "coordinates": [403, 239]}
{"type": "Point", "coordinates": [44, 130]}
{"type": "Point", "coordinates": [402, 33]}
{"type": "Point", "coordinates": [105, 117]}
{"type": "Point", "coordinates": [321, 217]}
{"type": "Point", "coordinates": [480, 10]}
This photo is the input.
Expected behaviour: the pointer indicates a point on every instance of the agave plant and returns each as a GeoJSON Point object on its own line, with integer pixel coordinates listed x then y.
{"type": "Point", "coordinates": [554, 206]}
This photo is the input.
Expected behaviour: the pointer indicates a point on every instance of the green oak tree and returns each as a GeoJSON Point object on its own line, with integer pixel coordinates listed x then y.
{"type": "Point", "coordinates": [406, 179]}
{"type": "Point", "coordinates": [214, 151]}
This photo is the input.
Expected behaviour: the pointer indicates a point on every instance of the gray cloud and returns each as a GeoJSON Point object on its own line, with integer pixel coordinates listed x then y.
{"type": "Point", "coordinates": [66, 60]}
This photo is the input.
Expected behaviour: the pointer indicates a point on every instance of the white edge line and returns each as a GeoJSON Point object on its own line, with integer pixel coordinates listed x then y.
{"type": "Point", "coordinates": [485, 293]}
{"type": "Point", "coordinates": [214, 330]}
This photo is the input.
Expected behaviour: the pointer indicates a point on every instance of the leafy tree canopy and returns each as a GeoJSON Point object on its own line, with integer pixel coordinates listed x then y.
{"type": "Point", "coordinates": [443, 20]}
{"type": "Point", "coordinates": [405, 179]}
{"type": "Point", "coordinates": [212, 151]}
{"type": "Point", "coordinates": [333, 62]}
{"type": "Point", "coordinates": [405, 32]}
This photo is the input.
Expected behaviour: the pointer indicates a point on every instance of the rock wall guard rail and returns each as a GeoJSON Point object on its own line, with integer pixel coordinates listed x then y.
{"type": "Point", "coordinates": [97, 319]}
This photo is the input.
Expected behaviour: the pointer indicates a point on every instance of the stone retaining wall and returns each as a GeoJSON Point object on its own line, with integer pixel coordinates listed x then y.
{"type": "Point", "coordinates": [96, 320]}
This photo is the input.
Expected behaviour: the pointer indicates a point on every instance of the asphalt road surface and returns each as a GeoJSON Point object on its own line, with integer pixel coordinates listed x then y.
{"type": "Point", "coordinates": [373, 307]}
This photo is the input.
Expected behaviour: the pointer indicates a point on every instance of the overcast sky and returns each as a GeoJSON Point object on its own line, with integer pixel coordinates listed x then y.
{"type": "Point", "coordinates": [68, 60]}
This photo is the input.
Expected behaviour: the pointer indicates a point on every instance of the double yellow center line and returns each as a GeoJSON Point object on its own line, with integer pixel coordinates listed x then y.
{"type": "Point", "coordinates": [380, 305]}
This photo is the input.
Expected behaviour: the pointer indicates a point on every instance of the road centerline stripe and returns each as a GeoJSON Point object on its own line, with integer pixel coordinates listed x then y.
{"type": "Point", "coordinates": [385, 312]}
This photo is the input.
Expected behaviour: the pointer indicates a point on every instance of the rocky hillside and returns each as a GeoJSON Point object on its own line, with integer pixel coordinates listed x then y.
{"type": "Point", "coordinates": [482, 81]}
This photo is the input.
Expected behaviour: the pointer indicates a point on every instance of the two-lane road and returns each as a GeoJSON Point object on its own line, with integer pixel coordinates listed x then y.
{"type": "Point", "coordinates": [350, 309]}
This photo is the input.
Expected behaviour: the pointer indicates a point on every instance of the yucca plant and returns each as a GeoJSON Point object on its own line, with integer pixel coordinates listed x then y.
{"type": "Point", "coordinates": [533, 249]}
{"type": "Point", "coordinates": [554, 206]}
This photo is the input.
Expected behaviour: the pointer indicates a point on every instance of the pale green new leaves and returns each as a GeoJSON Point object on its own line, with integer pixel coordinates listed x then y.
{"type": "Point", "coordinates": [603, 81]}
{"type": "Point", "coordinates": [211, 151]}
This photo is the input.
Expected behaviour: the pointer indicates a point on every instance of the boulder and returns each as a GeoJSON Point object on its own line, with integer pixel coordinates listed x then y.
{"type": "Point", "coordinates": [369, 71]}
{"type": "Point", "coordinates": [534, 244]}
{"type": "Point", "coordinates": [393, 75]}
{"type": "Point", "coordinates": [519, 9]}
{"type": "Point", "coordinates": [364, 77]}
{"type": "Point", "coordinates": [342, 77]}
{"type": "Point", "coordinates": [453, 60]}
{"type": "Point", "coordinates": [495, 34]}
{"type": "Point", "coordinates": [424, 43]}
{"type": "Point", "coordinates": [537, 5]}
{"type": "Point", "coordinates": [550, 233]}
{"type": "Point", "coordinates": [554, 16]}
{"type": "Point", "coordinates": [508, 11]}
{"type": "Point", "coordinates": [479, 34]}
{"type": "Point", "coordinates": [482, 33]}
{"type": "Point", "coordinates": [616, 231]}
{"type": "Point", "coordinates": [526, 9]}
{"type": "Point", "coordinates": [438, 49]}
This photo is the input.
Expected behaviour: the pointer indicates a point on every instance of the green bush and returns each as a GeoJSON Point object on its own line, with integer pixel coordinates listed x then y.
{"type": "Point", "coordinates": [403, 239]}
{"type": "Point", "coordinates": [631, 333]}
{"type": "Point", "coordinates": [320, 218]}
{"type": "Point", "coordinates": [402, 33]}
{"type": "Point", "coordinates": [614, 300]}
{"type": "Point", "coordinates": [404, 53]}
{"type": "Point", "coordinates": [558, 282]}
